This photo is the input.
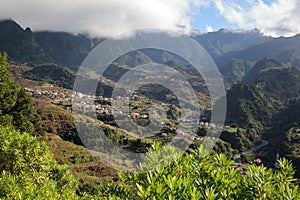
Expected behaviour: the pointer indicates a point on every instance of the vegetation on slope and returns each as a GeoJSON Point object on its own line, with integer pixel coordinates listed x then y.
{"type": "Point", "coordinates": [269, 105]}
{"type": "Point", "coordinates": [249, 106]}
{"type": "Point", "coordinates": [65, 48]}
{"type": "Point", "coordinates": [284, 137]}
{"type": "Point", "coordinates": [29, 171]}
{"type": "Point", "coordinates": [15, 105]}
{"type": "Point", "coordinates": [200, 175]}
{"type": "Point", "coordinates": [20, 44]}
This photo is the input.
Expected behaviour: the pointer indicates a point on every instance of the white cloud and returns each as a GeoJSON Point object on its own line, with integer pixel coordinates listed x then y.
{"type": "Point", "coordinates": [99, 17]}
{"type": "Point", "coordinates": [209, 28]}
{"type": "Point", "coordinates": [281, 17]}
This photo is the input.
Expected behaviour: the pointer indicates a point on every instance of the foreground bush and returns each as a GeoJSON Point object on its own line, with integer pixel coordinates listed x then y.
{"type": "Point", "coordinates": [200, 175]}
{"type": "Point", "coordinates": [29, 171]}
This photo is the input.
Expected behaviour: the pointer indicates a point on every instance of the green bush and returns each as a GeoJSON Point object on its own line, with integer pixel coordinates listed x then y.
{"type": "Point", "coordinates": [200, 175]}
{"type": "Point", "coordinates": [29, 171]}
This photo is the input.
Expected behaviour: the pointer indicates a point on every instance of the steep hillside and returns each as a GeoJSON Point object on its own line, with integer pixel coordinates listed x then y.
{"type": "Point", "coordinates": [235, 70]}
{"type": "Point", "coordinates": [261, 66]}
{"type": "Point", "coordinates": [65, 48]}
{"type": "Point", "coordinates": [249, 106]}
{"type": "Point", "coordinates": [53, 74]}
{"type": "Point", "coordinates": [280, 83]}
{"type": "Point", "coordinates": [284, 136]}
{"type": "Point", "coordinates": [284, 50]}
{"type": "Point", "coordinates": [20, 44]}
{"type": "Point", "coordinates": [61, 48]}
{"type": "Point", "coordinates": [267, 88]}
{"type": "Point", "coordinates": [226, 40]}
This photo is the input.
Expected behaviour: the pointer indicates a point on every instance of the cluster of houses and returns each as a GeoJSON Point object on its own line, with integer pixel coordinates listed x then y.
{"type": "Point", "coordinates": [204, 124]}
{"type": "Point", "coordinates": [87, 102]}
{"type": "Point", "coordinates": [104, 106]}
{"type": "Point", "coordinates": [242, 168]}
{"type": "Point", "coordinates": [58, 97]}
{"type": "Point", "coordinates": [189, 136]}
{"type": "Point", "coordinates": [103, 109]}
{"type": "Point", "coordinates": [135, 115]}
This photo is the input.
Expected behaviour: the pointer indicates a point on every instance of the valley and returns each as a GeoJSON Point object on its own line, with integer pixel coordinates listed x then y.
{"type": "Point", "coordinates": [262, 124]}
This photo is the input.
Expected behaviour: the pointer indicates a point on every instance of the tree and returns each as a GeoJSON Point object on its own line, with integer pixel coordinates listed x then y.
{"type": "Point", "coordinates": [8, 91]}
{"type": "Point", "coordinates": [15, 105]}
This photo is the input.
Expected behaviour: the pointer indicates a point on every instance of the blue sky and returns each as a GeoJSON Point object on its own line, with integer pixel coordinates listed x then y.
{"type": "Point", "coordinates": [210, 17]}
{"type": "Point", "coordinates": [272, 17]}
{"type": "Point", "coordinates": [111, 17]}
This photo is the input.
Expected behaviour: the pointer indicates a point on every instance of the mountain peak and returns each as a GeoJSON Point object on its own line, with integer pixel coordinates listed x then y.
{"type": "Point", "coordinates": [261, 66]}
{"type": "Point", "coordinates": [239, 31]}
{"type": "Point", "coordinates": [20, 44]}
{"type": "Point", "coordinates": [28, 30]}
{"type": "Point", "coordinates": [267, 63]}
{"type": "Point", "coordinates": [8, 21]}
{"type": "Point", "coordinates": [9, 24]}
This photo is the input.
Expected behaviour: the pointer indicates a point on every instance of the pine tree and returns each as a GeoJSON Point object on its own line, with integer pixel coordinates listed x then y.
{"type": "Point", "coordinates": [15, 105]}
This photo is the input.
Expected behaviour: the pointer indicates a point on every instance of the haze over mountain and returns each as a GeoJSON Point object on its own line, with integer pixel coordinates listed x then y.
{"type": "Point", "coordinates": [284, 50]}
{"type": "Point", "coordinates": [229, 40]}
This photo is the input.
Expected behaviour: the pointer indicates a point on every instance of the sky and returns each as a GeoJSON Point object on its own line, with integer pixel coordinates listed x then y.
{"type": "Point", "coordinates": [112, 17]}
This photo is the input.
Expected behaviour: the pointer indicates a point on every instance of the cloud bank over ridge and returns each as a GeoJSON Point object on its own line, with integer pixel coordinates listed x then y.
{"type": "Point", "coordinates": [276, 18]}
{"type": "Point", "coordinates": [111, 17]}
{"type": "Point", "coordinates": [100, 17]}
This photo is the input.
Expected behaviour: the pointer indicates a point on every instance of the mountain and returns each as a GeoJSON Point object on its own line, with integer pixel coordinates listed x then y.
{"type": "Point", "coordinates": [261, 66]}
{"type": "Point", "coordinates": [249, 106]}
{"type": "Point", "coordinates": [20, 44]}
{"type": "Point", "coordinates": [236, 70]}
{"type": "Point", "coordinates": [236, 52]}
{"type": "Point", "coordinates": [284, 50]}
{"type": "Point", "coordinates": [235, 64]}
{"type": "Point", "coordinates": [24, 46]}
{"type": "Point", "coordinates": [65, 48]}
{"type": "Point", "coordinates": [279, 81]}
{"type": "Point", "coordinates": [265, 91]}
{"type": "Point", "coordinates": [229, 40]}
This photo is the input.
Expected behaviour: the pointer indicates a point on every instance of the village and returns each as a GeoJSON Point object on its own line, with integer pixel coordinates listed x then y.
{"type": "Point", "coordinates": [102, 106]}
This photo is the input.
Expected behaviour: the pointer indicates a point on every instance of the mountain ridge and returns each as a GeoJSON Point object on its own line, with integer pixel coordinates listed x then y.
{"type": "Point", "coordinates": [235, 52]}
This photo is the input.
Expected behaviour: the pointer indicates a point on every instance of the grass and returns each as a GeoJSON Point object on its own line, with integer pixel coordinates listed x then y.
{"type": "Point", "coordinates": [53, 116]}
{"type": "Point", "coordinates": [81, 162]}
